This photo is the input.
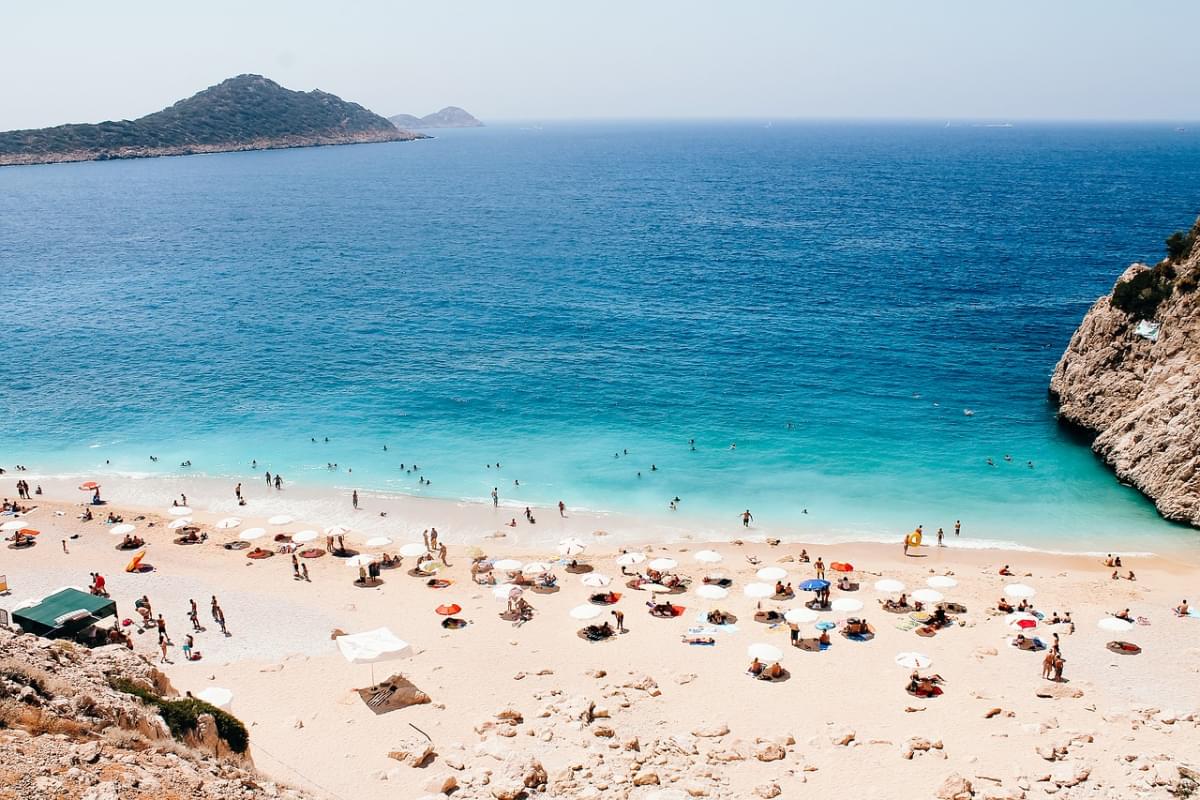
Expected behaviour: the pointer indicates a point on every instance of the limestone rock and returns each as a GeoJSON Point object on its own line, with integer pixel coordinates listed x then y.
{"type": "Point", "coordinates": [955, 787]}
{"type": "Point", "coordinates": [768, 790]}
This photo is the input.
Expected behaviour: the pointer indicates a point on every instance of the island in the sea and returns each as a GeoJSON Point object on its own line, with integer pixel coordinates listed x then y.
{"type": "Point", "coordinates": [247, 112]}
{"type": "Point", "coordinates": [448, 117]}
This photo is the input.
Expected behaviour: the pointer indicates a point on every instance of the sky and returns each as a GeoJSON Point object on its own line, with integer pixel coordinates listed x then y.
{"type": "Point", "coordinates": [995, 60]}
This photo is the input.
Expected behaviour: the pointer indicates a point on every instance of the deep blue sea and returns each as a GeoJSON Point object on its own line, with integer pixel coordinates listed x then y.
{"type": "Point", "coordinates": [830, 297]}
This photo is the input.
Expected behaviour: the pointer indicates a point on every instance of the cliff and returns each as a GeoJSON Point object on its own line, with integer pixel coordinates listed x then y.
{"type": "Point", "coordinates": [448, 117]}
{"type": "Point", "coordinates": [67, 732]}
{"type": "Point", "coordinates": [248, 112]}
{"type": "Point", "coordinates": [1131, 377]}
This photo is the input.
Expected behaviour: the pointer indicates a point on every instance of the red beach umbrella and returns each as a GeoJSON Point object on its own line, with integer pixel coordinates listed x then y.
{"type": "Point", "coordinates": [449, 610]}
{"type": "Point", "coordinates": [1026, 623]}
{"type": "Point", "coordinates": [88, 486]}
{"type": "Point", "coordinates": [28, 532]}
{"type": "Point", "coordinates": [841, 566]}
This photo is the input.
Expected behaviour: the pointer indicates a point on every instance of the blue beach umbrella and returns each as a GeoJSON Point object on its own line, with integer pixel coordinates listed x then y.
{"type": "Point", "coordinates": [825, 625]}
{"type": "Point", "coordinates": [814, 585]}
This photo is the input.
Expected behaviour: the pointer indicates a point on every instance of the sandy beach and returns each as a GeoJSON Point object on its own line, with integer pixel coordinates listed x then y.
{"type": "Point", "coordinates": [667, 719]}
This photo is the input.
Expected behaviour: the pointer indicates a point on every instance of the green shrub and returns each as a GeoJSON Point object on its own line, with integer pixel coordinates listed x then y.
{"type": "Point", "coordinates": [182, 714]}
{"type": "Point", "coordinates": [1179, 244]}
{"type": "Point", "coordinates": [1140, 295]}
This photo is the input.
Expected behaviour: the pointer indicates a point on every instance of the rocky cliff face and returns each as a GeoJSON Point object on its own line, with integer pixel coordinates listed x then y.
{"type": "Point", "coordinates": [1132, 378]}
{"type": "Point", "coordinates": [66, 733]}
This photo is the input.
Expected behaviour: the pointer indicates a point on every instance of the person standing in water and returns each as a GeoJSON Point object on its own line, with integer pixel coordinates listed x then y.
{"type": "Point", "coordinates": [562, 508]}
{"type": "Point", "coordinates": [354, 499]}
{"type": "Point", "coordinates": [747, 518]}
{"type": "Point", "coordinates": [957, 526]}
{"type": "Point", "coordinates": [940, 536]}
{"type": "Point", "coordinates": [495, 497]}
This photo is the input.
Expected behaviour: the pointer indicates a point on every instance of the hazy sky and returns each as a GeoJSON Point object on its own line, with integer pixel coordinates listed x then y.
{"type": "Point", "coordinates": [83, 61]}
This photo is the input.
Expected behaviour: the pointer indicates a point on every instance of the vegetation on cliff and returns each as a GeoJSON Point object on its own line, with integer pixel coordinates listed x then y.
{"type": "Point", "coordinates": [1141, 294]}
{"type": "Point", "coordinates": [245, 112]}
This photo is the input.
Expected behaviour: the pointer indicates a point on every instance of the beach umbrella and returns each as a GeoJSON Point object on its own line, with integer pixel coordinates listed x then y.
{"type": "Point", "coordinates": [506, 591]}
{"type": "Point", "coordinates": [412, 550]}
{"type": "Point", "coordinates": [227, 523]}
{"type": "Point", "coordinates": [662, 564]}
{"type": "Point", "coordinates": [841, 566]}
{"type": "Point", "coordinates": [1114, 625]}
{"type": "Point", "coordinates": [377, 541]}
{"type": "Point", "coordinates": [250, 534]}
{"type": "Point", "coordinates": [535, 568]}
{"type": "Point", "coordinates": [771, 574]}
{"type": "Point", "coordinates": [176, 524]}
{"type": "Point", "coordinates": [88, 486]}
{"type": "Point", "coordinates": [825, 625]}
{"type": "Point", "coordinates": [428, 565]}
{"type": "Point", "coordinates": [179, 511]}
{"type": "Point", "coordinates": [710, 592]}
{"type": "Point", "coordinates": [337, 530]}
{"type": "Point", "coordinates": [596, 580]}
{"type": "Point", "coordinates": [571, 546]}
{"type": "Point", "coordinates": [941, 582]}
{"type": "Point", "coordinates": [360, 560]}
{"type": "Point", "coordinates": [305, 536]}
{"type": "Point", "coordinates": [1025, 624]}
{"type": "Point", "coordinates": [1019, 590]}
{"type": "Point", "coordinates": [913, 660]}
{"type": "Point", "coordinates": [122, 529]}
{"type": "Point", "coordinates": [764, 652]}
{"type": "Point", "coordinates": [373, 646]}
{"type": "Point", "coordinates": [13, 525]}
{"type": "Point", "coordinates": [1019, 616]}
{"type": "Point", "coordinates": [758, 590]}
{"type": "Point", "coordinates": [799, 616]}
{"type": "Point", "coordinates": [928, 595]}
{"type": "Point", "coordinates": [629, 559]}
{"type": "Point", "coordinates": [279, 519]}
{"type": "Point", "coordinates": [889, 586]}
{"type": "Point", "coordinates": [586, 611]}
{"type": "Point", "coordinates": [507, 565]}
{"type": "Point", "coordinates": [654, 588]}
{"type": "Point", "coordinates": [216, 696]}
{"type": "Point", "coordinates": [846, 604]}
{"type": "Point", "coordinates": [708, 557]}
{"type": "Point", "coordinates": [448, 610]}
{"type": "Point", "coordinates": [814, 585]}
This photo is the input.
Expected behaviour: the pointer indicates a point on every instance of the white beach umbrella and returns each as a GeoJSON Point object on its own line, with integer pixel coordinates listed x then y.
{"type": "Point", "coordinates": [799, 616]}
{"type": "Point", "coordinates": [711, 592]}
{"type": "Point", "coordinates": [377, 541]}
{"type": "Point", "coordinates": [250, 534]}
{"type": "Point", "coordinates": [595, 580]}
{"type": "Point", "coordinates": [14, 525]}
{"type": "Point", "coordinates": [928, 595]}
{"type": "Point", "coordinates": [216, 696]}
{"type": "Point", "coordinates": [846, 604]}
{"type": "Point", "coordinates": [758, 590]}
{"type": "Point", "coordinates": [771, 574]}
{"type": "Point", "coordinates": [505, 591]}
{"type": "Point", "coordinates": [664, 563]}
{"type": "Point", "coordinates": [1019, 590]}
{"type": "Point", "coordinates": [586, 611]}
{"type": "Point", "coordinates": [764, 652]}
{"type": "Point", "coordinates": [304, 536]}
{"type": "Point", "coordinates": [913, 660]}
{"type": "Point", "coordinates": [337, 530]}
{"type": "Point", "coordinates": [361, 560]}
{"type": "Point", "coordinates": [122, 529]}
{"type": "Point", "coordinates": [370, 647]}
{"type": "Point", "coordinates": [179, 511]}
{"type": "Point", "coordinates": [227, 523]}
{"type": "Point", "coordinates": [941, 582]}
{"type": "Point", "coordinates": [507, 565]}
{"type": "Point", "coordinates": [629, 559]}
{"type": "Point", "coordinates": [571, 546]}
{"type": "Point", "coordinates": [535, 568]}
{"type": "Point", "coordinates": [889, 586]}
{"type": "Point", "coordinates": [176, 524]}
{"type": "Point", "coordinates": [1114, 625]}
{"type": "Point", "coordinates": [412, 549]}
{"type": "Point", "coordinates": [279, 519]}
{"type": "Point", "coordinates": [708, 557]}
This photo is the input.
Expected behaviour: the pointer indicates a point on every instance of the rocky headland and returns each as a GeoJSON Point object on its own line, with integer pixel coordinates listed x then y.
{"type": "Point", "coordinates": [448, 117]}
{"type": "Point", "coordinates": [1131, 378]}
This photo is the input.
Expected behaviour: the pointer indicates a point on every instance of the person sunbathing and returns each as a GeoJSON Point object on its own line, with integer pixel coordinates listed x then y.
{"type": "Point", "coordinates": [857, 627]}
{"type": "Point", "coordinates": [803, 557]}
{"type": "Point", "coordinates": [658, 609]}
{"type": "Point", "coordinates": [844, 584]}
{"type": "Point", "coordinates": [1004, 606]}
{"type": "Point", "coordinates": [547, 580]}
{"type": "Point", "coordinates": [390, 560]}
{"type": "Point", "coordinates": [924, 686]}
{"type": "Point", "coordinates": [896, 605]}
{"type": "Point", "coordinates": [756, 668]}
{"type": "Point", "coordinates": [1130, 576]}
{"type": "Point", "coordinates": [604, 598]}
{"type": "Point", "coordinates": [823, 639]}
{"type": "Point", "coordinates": [774, 672]}
{"type": "Point", "coordinates": [113, 519]}
{"type": "Point", "coordinates": [771, 616]}
{"type": "Point", "coordinates": [602, 631]}
{"type": "Point", "coordinates": [1183, 609]}
{"type": "Point", "coordinates": [717, 617]}
{"type": "Point", "coordinates": [86, 516]}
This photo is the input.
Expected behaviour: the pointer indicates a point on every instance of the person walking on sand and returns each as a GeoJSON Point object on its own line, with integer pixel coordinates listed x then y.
{"type": "Point", "coordinates": [354, 499]}
{"type": "Point", "coordinates": [1048, 664]}
{"type": "Point", "coordinates": [188, 644]}
{"type": "Point", "coordinates": [194, 616]}
{"type": "Point", "coordinates": [215, 608]}
{"type": "Point", "coordinates": [940, 536]}
{"type": "Point", "coordinates": [620, 617]}
{"type": "Point", "coordinates": [162, 645]}
{"type": "Point", "coordinates": [161, 624]}
{"type": "Point", "coordinates": [304, 573]}
{"type": "Point", "coordinates": [562, 509]}
{"type": "Point", "coordinates": [747, 518]}
{"type": "Point", "coordinates": [442, 551]}
{"type": "Point", "coordinates": [295, 567]}
{"type": "Point", "coordinates": [221, 620]}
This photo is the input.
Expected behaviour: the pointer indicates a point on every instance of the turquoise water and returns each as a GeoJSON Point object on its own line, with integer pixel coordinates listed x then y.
{"type": "Point", "coordinates": [829, 297]}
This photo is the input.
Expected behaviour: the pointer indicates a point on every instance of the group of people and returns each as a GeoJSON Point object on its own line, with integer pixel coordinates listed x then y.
{"type": "Point", "coordinates": [23, 490]}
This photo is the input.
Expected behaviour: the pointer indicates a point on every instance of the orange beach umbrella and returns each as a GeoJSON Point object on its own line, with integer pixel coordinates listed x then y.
{"type": "Point", "coordinates": [448, 610]}
{"type": "Point", "coordinates": [88, 486]}
{"type": "Point", "coordinates": [841, 566]}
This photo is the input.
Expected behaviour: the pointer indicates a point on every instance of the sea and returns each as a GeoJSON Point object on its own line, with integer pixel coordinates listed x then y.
{"type": "Point", "coordinates": [833, 325]}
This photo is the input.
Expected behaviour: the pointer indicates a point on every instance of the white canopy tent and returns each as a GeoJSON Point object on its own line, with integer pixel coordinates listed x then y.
{"type": "Point", "coordinates": [372, 647]}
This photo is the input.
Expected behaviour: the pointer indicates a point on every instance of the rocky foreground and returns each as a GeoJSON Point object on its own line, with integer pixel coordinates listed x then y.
{"type": "Point", "coordinates": [1131, 377]}
{"type": "Point", "coordinates": [66, 733]}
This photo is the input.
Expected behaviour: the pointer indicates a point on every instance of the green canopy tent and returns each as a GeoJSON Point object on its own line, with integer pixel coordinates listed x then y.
{"type": "Point", "coordinates": [63, 613]}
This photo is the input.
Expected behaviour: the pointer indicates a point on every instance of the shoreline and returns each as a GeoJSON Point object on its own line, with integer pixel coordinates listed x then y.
{"type": "Point", "coordinates": [470, 521]}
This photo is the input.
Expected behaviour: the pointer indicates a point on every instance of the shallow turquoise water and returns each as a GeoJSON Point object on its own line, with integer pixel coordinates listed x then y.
{"type": "Point", "coordinates": [829, 297]}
